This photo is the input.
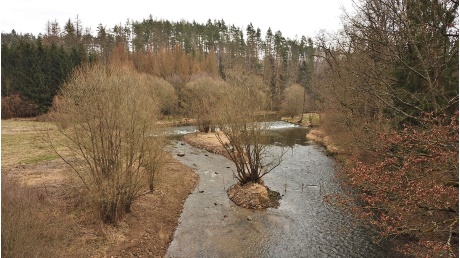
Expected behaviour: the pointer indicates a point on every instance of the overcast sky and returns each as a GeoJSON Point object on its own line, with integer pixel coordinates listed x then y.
{"type": "Point", "coordinates": [291, 17]}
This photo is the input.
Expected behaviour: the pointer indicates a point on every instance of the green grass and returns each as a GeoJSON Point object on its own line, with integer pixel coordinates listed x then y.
{"type": "Point", "coordinates": [25, 142]}
{"type": "Point", "coordinates": [41, 158]}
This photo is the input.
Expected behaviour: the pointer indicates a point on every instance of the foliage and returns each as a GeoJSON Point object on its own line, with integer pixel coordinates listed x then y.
{"type": "Point", "coordinates": [33, 72]}
{"type": "Point", "coordinates": [411, 190]}
{"type": "Point", "coordinates": [107, 114]}
{"type": "Point", "coordinates": [17, 106]}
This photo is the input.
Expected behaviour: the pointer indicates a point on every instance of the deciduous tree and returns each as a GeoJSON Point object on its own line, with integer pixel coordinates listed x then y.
{"type": "Point", "coordinates": [107, 114]}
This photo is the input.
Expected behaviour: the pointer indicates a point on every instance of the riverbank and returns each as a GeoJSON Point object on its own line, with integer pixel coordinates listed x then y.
{"type": "Point", "coordinates": [318, 136]}
{"type": "Point", "coordinates": [43, 212]}
{"type": "Point", "coordinates": [206, 141]}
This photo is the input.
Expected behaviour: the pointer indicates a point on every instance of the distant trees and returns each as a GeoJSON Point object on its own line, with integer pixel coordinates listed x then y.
{"type": "Point", "coordinates": [35, 71]}
{"type": "Point", "coordinates": [174, 51]}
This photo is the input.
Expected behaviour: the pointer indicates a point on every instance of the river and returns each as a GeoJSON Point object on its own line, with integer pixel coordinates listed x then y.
{"type": "Point", "coordinates": [302, 226]}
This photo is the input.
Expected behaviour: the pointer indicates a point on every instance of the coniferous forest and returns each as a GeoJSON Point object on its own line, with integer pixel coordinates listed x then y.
{"type": "Point", "coordinates": [34, 67]}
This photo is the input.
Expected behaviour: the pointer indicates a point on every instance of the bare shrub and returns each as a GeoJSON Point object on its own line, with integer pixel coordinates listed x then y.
{"type": "Point", "coordinates": [239, 116]}
{"type": "Point", "coordinates": [156, 159]}
{"type": "Point", "coordinates": [166, 94]}
{"type": "Point", "coordinates": [18, 106]}
{"type": "Point", "coordinates": [293, 100]}
{"type": "Point", "coordinates": [202, 98]}
{"type": "Point", "coordinates": [410, 191]}
{"type": "Point", "coordinates": [110, 113]}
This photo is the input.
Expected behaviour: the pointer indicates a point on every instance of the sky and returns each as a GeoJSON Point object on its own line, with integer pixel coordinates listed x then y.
{"type": "Point", "coordinates": [293, 18]}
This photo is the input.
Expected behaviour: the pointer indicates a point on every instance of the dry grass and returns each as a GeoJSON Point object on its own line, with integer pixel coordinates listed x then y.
{"type": "Point", "coordinates": [318, 136]}
{"type": "Point", "coordinates": [34, 225]}
{"type": "Point", "coordinates": [42, 213]}
{"type": "Point", "coordinates": [45, 213]}
{"type": "Point", "coordinates": [309, 119]}
{"type": "Point", "coordinates": [25, 141]}
{"type": "Point", "coordinates": [207, 141]}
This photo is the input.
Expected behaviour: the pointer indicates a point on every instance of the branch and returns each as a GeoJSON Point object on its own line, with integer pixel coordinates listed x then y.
{"type": "Point", "coordinates": [438, 209]}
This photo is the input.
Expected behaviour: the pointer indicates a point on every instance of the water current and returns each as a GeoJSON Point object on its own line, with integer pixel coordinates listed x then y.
{"type": "Point", "coordinates": [211, 225]}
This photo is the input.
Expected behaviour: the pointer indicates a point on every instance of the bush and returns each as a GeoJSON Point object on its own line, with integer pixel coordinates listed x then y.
{"type": "Point", "coordinates": [17, 106]}
{"type": "Point", "coordinates": [166, 94]}
{"type": "Point", "coordinates": [293, 100]}
{"type": "Point", "coordinates": [202, 99]}
{"type": "Point", "coordinates": [247, 145]}
{"type": "Point", "coordinates": [412, 190]}
{"type": "Point", "coordinates": [107, 115]}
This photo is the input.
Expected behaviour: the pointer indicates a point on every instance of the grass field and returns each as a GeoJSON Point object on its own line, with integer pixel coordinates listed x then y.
{"type": "Point", "coordinates": [27, 142]}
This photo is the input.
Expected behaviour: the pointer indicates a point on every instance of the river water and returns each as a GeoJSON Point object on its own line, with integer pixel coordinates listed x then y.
{"type": "Point", "coordinates": [211, 225]}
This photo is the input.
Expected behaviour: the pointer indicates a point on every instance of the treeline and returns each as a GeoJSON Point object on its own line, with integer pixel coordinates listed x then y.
{"type": "Point", "coordinates": [32, 73]}
{"type": "Point", "coordinates": [33, 68]}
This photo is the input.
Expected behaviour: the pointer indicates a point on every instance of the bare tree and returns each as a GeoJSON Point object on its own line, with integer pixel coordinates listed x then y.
{"type": "Point", "coordinates": [243, 136]}
{"type": "Point", "coordinates": [388, 83]}
{"type": "Point", "coordinates": [294, 97]}
{"type": "Point", "coordinates": [202, 98]}
{"type": "Point", "coordinates": [107, 114]}
{"type": "Point", "coordinates": [403, 54]}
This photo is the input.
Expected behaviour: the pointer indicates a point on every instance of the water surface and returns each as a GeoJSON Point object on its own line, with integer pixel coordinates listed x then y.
{"type": "Point", "coordinates": [303, 226]}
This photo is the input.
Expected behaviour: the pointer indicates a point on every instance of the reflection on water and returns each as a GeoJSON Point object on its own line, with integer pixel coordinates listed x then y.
{"type": "Point", "coordinates": [303, 226]}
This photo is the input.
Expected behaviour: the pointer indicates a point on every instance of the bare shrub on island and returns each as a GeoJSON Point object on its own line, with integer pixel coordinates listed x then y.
{"type": "Point", "coordinates": [244, 138]}
{"type": "Point", "coordinates": [107, 115]}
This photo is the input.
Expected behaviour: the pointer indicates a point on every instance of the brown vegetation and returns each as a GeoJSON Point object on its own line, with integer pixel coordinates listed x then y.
{"type": "Point", "coordinates": [106, 115]}
{"type": "Point", "coordinates": [207, 141]}
{"type": "Point", "coordinates": [45, 213]}
{"type": "Point", "coordinates": [320, 137]}
{"type": "Point", "coordinates": [388, 89]}
{"type": "Point", "coordinates": [411, 188]}
{"type": "Point", "coordinates": [293, 102]}
{"type": "Point", "coordinates": [253, 196]}
{"type": "Point", "coordinates": [202, 97]}
{"type": "Point", "coordinates": [247, 146]}
{"type": "Point", "coordinates": [18, 106]}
